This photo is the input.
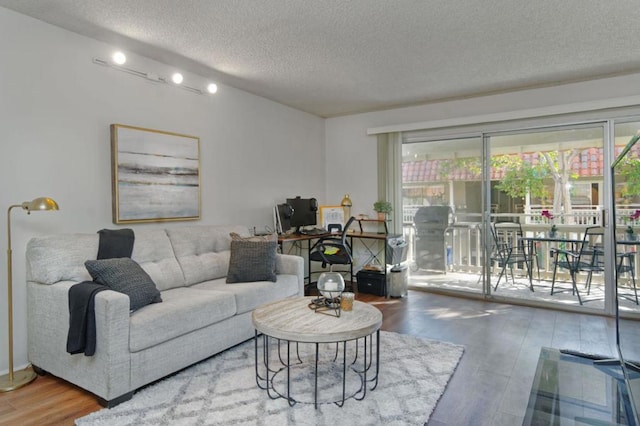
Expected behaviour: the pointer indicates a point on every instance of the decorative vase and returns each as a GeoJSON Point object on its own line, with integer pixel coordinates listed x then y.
{"type": "Point", "coordinates": [382, 216]}
{"type": "Point", "coordinates": [631, 237]}
{"type": "Point", "coordinates": [330, 285]}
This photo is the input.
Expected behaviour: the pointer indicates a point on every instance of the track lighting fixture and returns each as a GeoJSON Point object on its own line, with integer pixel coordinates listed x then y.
{"type": "Point", "coordinates": [177, 78]}
{"type": "Point", "coordinates": [118, 59]}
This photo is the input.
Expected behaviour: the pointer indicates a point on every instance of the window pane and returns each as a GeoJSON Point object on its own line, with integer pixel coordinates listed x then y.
{"type": "Point", "coordinates": [442, 212]}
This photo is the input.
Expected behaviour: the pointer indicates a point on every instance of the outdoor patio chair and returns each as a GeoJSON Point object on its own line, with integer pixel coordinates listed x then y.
{"type": "Point", "coordinates": [509, 250]}
{"type": "Point", "coordinates": [595, 264]}
{"type": "Point", "coordinates": [626, 264]}
{"type": "Point", "coordinates": [587, 257]}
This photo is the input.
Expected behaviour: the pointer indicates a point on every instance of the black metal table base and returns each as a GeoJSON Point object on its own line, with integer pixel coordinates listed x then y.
{"type": "Point", "coordinates": [289, 368]}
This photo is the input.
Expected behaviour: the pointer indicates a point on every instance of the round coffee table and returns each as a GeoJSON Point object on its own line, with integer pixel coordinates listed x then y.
{"type": "Point", "coordinates": [291, 321]}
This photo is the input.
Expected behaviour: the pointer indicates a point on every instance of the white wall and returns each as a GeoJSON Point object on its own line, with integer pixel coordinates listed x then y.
{"type": "Point", "coordinates": [353, 157]}
{"type": "Point", "coordinates": [55, 110]}
{"type": "Point", "coordinates": [56, 107]}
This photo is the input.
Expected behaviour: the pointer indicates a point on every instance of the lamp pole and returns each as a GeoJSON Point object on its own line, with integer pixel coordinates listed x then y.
{"type": "Point", "coordinates": [14, 380]}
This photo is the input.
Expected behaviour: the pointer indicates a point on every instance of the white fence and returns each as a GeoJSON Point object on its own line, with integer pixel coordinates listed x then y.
{"type": "Point", "coordinates": [463, 240]}
{"type": "Point", "coordinates": [590, 215]}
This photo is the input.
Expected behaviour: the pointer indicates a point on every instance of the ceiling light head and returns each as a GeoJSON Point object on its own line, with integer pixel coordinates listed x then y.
{"type": "Point", "coordinates": [119, 58]}
{"type": "Point", "coordinates": [212, 88]}
{"type": "Point", "coordinates": [177, 78]}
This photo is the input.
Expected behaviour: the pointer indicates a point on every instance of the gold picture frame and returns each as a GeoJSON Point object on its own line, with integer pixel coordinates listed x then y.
{"type": "Point", "coordinates": [155, 175]}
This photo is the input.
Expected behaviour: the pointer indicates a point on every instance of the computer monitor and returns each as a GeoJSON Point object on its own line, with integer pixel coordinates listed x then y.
{"type": "Point", "coordinates": [304, 212]}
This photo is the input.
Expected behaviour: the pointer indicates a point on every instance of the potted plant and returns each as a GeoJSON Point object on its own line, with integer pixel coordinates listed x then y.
{"type": "Point", "coordinates": [631, 236]}
{"type": "Point", "coordinates": [553, 231]}
{"type": "Point", "coordinates": [382, 208]}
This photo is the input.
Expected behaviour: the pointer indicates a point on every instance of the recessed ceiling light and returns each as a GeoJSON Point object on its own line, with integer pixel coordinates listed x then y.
{"type": "Point", "coordinates": [119, 58]}
{"type": "Point", "coordinates": [177, 78]}
{"type": "Point", "coordinates": [212, 88]}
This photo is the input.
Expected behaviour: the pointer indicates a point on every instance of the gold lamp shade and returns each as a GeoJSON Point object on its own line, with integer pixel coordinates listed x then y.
{"type": "Point", "coordinates": [40, 203]}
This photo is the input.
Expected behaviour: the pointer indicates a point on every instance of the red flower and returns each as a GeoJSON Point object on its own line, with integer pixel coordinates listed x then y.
{"type": "Point", "coordinates": [548, 215]}
{"type": "Point", "coordinates": [635, 215]}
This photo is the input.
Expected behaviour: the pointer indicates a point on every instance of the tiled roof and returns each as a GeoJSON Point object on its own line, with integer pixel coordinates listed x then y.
{"type": "Point", "coordinates": [589, 163]}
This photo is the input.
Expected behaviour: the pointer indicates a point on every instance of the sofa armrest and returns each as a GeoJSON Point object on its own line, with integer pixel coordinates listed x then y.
{"type": "Point", "coordinates": [293, 265]}
{"type": "Point", "coordinates": [107, 372]}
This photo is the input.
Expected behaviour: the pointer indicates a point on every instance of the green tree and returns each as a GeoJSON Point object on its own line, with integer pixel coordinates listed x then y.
{"type": "Point", "coordinates": [470, 165]}
{"type": "Point", "coordinates": [629, 169]}
{"type": "Point", "coordinates": [559, 166]}
{"type": "Point", "coordinates": [520, 177]}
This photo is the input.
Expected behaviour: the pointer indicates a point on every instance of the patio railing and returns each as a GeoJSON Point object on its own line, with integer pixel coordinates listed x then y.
{"type": "Point", "coordinates": [580, 215]}
{"type": "Point", "coordinates": [464, 251]}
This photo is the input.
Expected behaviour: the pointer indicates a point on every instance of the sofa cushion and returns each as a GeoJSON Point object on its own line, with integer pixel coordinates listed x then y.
{"type": "Point", "coordinates": [126, 276]}
{"type": "Point", "coordinates": [182, 311]}
{"type": "Point", "coordinates": [60, 257]}
{"type": "Point", "coordinates": [252, 258]}
{"type": "Point", "coordinates": [154, 252]}
{"type": "Point", "coordinates": [249, 296]}
{"type": "Point", "coordinates": [203, 251]}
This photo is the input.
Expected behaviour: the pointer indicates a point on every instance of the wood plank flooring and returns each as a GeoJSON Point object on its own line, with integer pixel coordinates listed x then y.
{"type": "Point", "coordinates": [490, 386]}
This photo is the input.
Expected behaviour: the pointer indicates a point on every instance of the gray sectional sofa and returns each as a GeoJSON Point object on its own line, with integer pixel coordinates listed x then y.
{"type": "Point", "coordinates": [200, 314]}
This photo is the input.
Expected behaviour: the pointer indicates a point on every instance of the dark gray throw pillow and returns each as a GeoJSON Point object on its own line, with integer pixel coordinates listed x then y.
{"type": "Point", "coordinates": [126, 276]}
{"type": "Point", "coordinates": [252, 258]}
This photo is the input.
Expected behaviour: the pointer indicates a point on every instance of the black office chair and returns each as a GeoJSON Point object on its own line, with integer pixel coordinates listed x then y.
{"type": "Point", "coordinates": [333, 250]}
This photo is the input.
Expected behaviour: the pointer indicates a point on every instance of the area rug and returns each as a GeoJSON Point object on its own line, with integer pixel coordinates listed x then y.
{"type": "Point", "coordinates": [222, 390]}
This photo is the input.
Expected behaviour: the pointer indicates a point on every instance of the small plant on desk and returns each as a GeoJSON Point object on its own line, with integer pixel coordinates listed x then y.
{"type": "Point", "coordinates": [382, 208]}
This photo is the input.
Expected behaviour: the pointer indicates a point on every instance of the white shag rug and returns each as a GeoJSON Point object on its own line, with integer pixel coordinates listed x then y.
{"type": "Point", "coordinates": [222, 390]}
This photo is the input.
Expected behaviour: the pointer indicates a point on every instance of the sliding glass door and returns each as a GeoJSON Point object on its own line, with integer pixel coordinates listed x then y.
{"type": "Point", "coordinates": [546, 193]}
{"type": "Point", "coordinates": [512, 214]}
{"type": "Point", "coordinates": [626, 196]}
{"type": "Point", "coordinates": [442, 191]}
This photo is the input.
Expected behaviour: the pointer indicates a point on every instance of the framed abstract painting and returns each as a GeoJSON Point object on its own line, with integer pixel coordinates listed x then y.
{"type": "Point", "coordinates": [155, 175]}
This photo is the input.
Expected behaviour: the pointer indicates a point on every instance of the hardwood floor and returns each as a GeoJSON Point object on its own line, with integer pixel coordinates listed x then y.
{"type": "Point", "coordinates": [490, 386]}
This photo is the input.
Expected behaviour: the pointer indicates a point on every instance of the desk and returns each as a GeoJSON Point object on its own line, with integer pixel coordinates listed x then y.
{"type": "Point", "coordinates": [374, 254]}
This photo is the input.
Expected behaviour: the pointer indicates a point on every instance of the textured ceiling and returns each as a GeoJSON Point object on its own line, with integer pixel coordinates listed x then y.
{"type": "Point", "coordinates": [336, 57]}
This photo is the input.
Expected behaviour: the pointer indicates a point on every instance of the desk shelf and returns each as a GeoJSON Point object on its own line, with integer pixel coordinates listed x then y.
{"type": "Point", "coordinates": [378, 221]}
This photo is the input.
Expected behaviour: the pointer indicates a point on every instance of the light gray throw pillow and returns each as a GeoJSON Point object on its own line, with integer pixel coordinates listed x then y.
{"type": "Point", "coordinates": [126, 276]}
{"type": "Point", "coordinates": [252, 258]}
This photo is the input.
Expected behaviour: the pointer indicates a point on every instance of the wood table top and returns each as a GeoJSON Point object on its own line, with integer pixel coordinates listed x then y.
{"type": "Point", "coordinates": [292, 319]}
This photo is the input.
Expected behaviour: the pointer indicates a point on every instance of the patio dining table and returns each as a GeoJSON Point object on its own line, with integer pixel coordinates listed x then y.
{"type": "Point", "coordinates": [532, 249]}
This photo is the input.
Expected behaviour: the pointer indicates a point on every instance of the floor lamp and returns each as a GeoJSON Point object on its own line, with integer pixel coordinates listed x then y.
{"type": "Point", "coordinates": [12, 381]}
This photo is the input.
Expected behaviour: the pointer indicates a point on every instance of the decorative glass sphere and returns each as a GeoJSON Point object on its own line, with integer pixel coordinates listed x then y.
{"type": "Point", "coordinates": [330, 284]}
